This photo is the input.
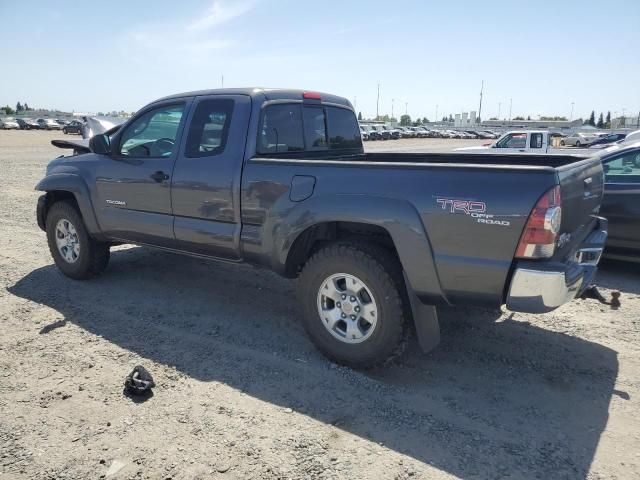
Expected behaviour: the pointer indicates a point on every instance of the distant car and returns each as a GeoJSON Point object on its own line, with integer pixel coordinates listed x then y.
{"type": "Point", "coordinates": [372, 132]}
{"type": "Point", "coordinates": [407, 132]}
{"type": "Point", "coordinates": [48, 124]}
{"type": "Point", "coordinates": [608, 139]}
{"type": "Point", "coordinates": [9, 124]}
{"type": "Point", "coordinates": [76, 127]}
{"type": "Point", "coordinates": [62, 122]}
{"type": "Point", "coordinates": [382, 132]}
{"type": "Point", "coordinates": [579, 139]}
{"type": "Point", "coordinates": [394, 133]}
{"type": "Point", "coordinates": [420, 132]}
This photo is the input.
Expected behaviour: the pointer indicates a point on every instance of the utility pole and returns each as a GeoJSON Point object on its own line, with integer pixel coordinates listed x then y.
{"type": "Point", "coordinates": [571, 116]}
{"type": "Point", "coordinates": [222, 81]}
{"type": "Point", "coordinates": [406, 108]}
{"type": "Point", "coordinates": [499, 107]}
{"type": "Point", "coordinates": [510, 105]}
{"type": "Point", "coordinates": [480, 107]}
{"type": "Point", "coordinates": [378, 103]}
{"type": "Point", "coordinates": [392, 100]}
{"type": "Point", "coordinates": [436, 119]}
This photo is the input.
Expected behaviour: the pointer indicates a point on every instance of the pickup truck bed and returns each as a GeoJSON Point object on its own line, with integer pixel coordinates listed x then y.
{"type": "Point", "coordinates": [278, 178]}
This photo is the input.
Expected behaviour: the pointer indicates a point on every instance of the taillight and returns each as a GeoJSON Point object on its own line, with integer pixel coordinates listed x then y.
{"type": "Point", "coordinates": [538, 239]}
{"type": "Point", "coordinates": [311, 96]}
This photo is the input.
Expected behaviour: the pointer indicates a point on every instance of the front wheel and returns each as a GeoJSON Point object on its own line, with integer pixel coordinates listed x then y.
{"type": "Point", "coordinates": [578, 144]}
{"type": "Point", "coordinates": [352, 303]}
{"type": "Point", "coordinates": [74, 252]}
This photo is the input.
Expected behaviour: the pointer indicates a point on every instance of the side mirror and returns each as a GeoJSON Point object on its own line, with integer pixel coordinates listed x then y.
{"type": "Point", "coordinates": [100, 144]}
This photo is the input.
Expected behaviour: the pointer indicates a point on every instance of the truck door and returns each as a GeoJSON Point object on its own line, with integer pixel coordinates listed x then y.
{"type": "Point", "coordinates": [133, 183]}
{"type": "Point", "coordinates": [621, 202]}
{"type": "Point", "coordinates": [206, 179]}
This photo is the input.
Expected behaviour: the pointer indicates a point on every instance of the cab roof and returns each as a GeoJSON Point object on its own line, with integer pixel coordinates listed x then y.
{"type": "Point", "coordinates": [264, 94]}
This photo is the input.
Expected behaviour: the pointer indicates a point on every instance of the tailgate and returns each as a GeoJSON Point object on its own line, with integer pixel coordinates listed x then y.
{"type": "Point", "coordinates": [581, 188]}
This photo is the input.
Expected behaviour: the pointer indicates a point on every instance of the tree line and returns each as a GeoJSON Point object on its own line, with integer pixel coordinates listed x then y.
{"type": "Point", "coordinates": [19, 108]}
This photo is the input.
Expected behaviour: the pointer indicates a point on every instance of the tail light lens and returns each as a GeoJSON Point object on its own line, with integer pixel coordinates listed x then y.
{"type": "Point", "coordinates": [538, 239]}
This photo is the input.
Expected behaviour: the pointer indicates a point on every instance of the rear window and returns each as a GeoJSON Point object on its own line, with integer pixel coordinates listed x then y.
{"type": "Point", "coordinates": [281, 129]}
{"type": "Point", "coordinates": [294, 128]}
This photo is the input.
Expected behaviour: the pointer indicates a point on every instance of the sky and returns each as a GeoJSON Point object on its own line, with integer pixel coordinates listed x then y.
{"type": "Point", "coordinates": [426, 56]}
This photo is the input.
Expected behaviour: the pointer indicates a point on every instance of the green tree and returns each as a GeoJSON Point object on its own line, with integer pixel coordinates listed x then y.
{"type": "Point", "coordinates": [518, 118]}
{"type": "Point", "coordinates": [528, 117]}
{"type": "Point", "coordinates": [450, 118]}
{"type": "Point", "coordinates": [19, 107]}
{"type": "Point", "coordinates": [359, 115]}
{"type": "Point", "coordinates": [592, 119]}
{"type": "Point", "coordinates": [26, 107]}
{"type": "Point", "coordinates": [607, 123]}
{"type": "Point", "coordinates": [8, 110]}
{"type": "Point", "coordinates": [445, 119]}
{"type": "Point", "coordinates": [425, 120]}
{"type": "Point", "coordinates": [405, 120]}
{"type": "Point", "coordinates": [600, 123]}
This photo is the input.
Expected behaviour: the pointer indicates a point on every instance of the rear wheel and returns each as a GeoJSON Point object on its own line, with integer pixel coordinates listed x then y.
{"type": "Point", "coordinates": [74, 252]}
{"type": "Point", "coordinates": [562, 143]}
{"type": "Point", "coordinates": [578, 144]}
{"type": "Point", "coordinates": [352, 303]}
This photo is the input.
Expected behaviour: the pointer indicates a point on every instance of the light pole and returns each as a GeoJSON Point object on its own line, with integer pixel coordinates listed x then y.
{"type": "Point", "coordinates": [436, 119]}
{"type": "Point", "coordinates": [510, 105]}
{"type": "Point", "coordinates": [222, 81]}
{"type": "Point", "coordinates": [378, 103]}
{"type": "Point", "coordinates": [571, 116]}
{"type": "Point", "coordinates": [392, 100]}
{"type": "Point", "coordinates": [499, 108]}
{"type": "Point", "coordinates": [406, 108]}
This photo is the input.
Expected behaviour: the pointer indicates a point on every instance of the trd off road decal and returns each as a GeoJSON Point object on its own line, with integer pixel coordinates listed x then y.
{"type": "Point", "coordinates": [474, 209]}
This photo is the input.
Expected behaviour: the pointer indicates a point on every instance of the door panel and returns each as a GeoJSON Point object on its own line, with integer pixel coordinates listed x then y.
{"type": "Point", "coordinates": [206, 178]}
{"type": "Point", "coordinates": [133, 184]}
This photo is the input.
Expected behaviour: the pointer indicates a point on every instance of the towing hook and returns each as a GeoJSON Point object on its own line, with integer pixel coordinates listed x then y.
{"type": "Point", "coordinates": [592, 292]}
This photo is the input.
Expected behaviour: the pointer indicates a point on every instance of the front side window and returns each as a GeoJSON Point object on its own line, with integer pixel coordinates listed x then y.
{"type": "Point", "coordinates": [515, 140]}
{"type": "Point", "coordinates": [153, 134]}
{"type": "Point", "coordinates": [623, 168]}
{"type": "Point", "coordinates": [209, 128]}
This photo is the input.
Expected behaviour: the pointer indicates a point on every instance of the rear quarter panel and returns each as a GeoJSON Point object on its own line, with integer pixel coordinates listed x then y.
{"type": "Point", "coordinates": [469, 256]}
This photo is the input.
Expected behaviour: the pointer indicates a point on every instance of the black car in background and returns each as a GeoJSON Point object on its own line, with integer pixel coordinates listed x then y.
{"type": "Point", "coordinates": [28, 124]}
{"type": "Point", "coordinates": [621, 202]}
{"type": "Point", "coordinates": [73, 126]}
{"type": "Point", "coordinates": [606, 140]}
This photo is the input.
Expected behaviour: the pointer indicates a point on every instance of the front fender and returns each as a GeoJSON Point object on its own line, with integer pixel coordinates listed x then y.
{"type": "Point", "coordinates": [398, 217]}
{"type": "Point", "coordinates": [74, 184]}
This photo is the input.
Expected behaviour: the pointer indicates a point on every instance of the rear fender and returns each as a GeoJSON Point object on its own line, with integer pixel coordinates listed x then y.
{"type": "Point", "coordinates": [398, 217]}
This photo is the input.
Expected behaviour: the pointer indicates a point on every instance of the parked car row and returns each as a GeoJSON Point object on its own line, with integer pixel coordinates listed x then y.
{"type": "Point", "coordinates": [68, 126]}
{"type": "Point", "coordinates": [385, 132]}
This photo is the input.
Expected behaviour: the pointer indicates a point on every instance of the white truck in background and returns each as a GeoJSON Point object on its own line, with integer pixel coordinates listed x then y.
{"type": "Point", "coordinates": [525, 141]}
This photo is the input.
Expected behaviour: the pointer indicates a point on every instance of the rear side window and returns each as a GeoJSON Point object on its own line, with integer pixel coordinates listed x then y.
{"type": "Point", "coordinates": [536, 140]}
{"type": "Point", "coordinates": [343, 129]}
{"type": "Point", "coordinates": [281, 129]}
{"type": "Point", "coordinates": [209, 128]}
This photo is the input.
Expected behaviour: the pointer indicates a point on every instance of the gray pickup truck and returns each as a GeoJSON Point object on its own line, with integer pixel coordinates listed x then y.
{"type": "Point", "coordinates": [279, 179]}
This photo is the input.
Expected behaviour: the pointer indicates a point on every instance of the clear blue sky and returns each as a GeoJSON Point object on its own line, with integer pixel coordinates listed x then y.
{"type": "Point", "coordinates": [92, 56]}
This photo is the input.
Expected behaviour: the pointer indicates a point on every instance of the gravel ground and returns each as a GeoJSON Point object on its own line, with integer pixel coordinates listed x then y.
{"type": "Point", "coordinates": [241, 392]}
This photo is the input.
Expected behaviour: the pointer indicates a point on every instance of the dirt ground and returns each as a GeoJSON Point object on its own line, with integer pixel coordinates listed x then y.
{"type": "Point", "coordinates": [242, 393]}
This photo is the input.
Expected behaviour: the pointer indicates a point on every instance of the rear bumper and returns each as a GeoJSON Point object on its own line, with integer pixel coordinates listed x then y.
{"type": "Point", "coordinates": [541, 287]}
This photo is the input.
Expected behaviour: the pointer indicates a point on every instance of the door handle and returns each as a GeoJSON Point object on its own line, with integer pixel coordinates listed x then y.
{"type": "Point", "coordinates": [159, 176]}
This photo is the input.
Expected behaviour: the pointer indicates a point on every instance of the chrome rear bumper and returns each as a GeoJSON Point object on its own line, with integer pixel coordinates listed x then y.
{"type": "Point", "coordinates": [542, 287]}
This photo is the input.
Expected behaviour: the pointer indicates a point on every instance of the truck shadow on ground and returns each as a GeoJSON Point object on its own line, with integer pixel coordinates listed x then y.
{"type": "Point", "coordinates": [498, 397]}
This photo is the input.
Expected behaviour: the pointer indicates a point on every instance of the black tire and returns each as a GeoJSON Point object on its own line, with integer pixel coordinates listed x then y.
{"type": "Point", "coordinates": [562, 143]}
{"type": "Point", "coordinates": [578, 144]}
{"type": "Point", "coordinates": [94, 255]}
{"type": "Point", "coordinates": [382, 274]}
{"type": "Point", "coordinates": [65, 131]}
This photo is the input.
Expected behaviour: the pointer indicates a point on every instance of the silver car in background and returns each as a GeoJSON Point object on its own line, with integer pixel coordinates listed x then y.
{"type": "Point", "coordinates": [579, 139]}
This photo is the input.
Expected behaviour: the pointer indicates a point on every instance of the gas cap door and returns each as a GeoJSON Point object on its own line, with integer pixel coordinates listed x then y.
{"type": "Point", "coordinates": [301, 187]}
